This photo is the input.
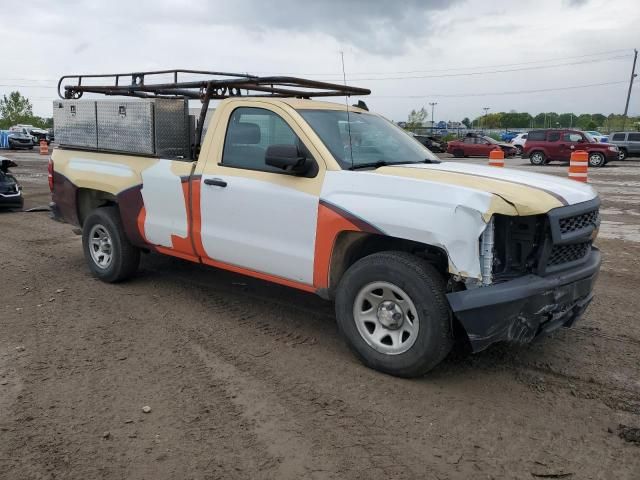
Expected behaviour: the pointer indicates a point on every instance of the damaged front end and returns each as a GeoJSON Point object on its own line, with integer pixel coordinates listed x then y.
{"type": "Point", "coordinates": [538, 274]}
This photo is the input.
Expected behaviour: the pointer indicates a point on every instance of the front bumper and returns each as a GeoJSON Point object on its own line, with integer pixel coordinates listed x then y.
{"type": "Point", "coordinates": [11, 200]}
{"type": "Point", "coordinates": [519, 310]}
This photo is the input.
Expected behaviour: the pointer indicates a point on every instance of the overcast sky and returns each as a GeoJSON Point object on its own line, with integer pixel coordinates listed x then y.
{"type": "Point", "coordinates": [447, 48]}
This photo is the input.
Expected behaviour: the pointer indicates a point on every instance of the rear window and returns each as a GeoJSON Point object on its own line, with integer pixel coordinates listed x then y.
{"type": "Point", "coordinates": [634, 137]}
{"type": "Point", "coordinates": [618, 137]}
{"type": "Point", "coordinates": [540, 135]}
{"type": "Point", "coordinates": [553, 136]}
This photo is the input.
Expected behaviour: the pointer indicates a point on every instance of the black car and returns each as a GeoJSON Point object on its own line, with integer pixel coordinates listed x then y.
{"type": "Point", "coordinates": [10, 189]}
{"type": "Point", "coordinates": [19, 139]}
{"type": "Point", "coordinates": [432, 143]}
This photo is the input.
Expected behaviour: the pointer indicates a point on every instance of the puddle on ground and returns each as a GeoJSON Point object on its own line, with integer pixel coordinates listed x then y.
{"type": "Point", "coordinates": [619, 231]}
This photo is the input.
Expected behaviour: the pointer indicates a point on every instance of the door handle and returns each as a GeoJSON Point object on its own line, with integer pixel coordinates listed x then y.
{"type": "Point", "coordinates": [216, 182]}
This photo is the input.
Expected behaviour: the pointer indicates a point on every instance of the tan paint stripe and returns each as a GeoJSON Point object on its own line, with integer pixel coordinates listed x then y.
{"type": "Point", "coordinates": [527, 200]}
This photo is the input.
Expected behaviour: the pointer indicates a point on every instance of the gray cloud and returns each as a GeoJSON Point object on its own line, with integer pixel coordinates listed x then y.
{"type": "Point", "coordinates": [375, 26]}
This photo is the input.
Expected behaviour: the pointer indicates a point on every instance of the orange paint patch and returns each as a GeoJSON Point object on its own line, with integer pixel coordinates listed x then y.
{"type": "Point", "coordinates": [141, 218]}
{"type": "Point", "coordinates": [260, 275]}
{"type": "Point", "coordinates": [196, 218]}
{"type": "Point", "coordinates": [330, 224]}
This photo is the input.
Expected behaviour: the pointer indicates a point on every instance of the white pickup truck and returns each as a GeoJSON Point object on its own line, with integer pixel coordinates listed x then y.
{"type": "Point", "coordinates": [336, 200]}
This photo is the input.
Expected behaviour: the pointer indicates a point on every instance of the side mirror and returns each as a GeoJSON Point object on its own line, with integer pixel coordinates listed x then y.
{"type": "Point", "coordinates": [6, 164]}
{"type": "Point", "coordinates": [287, 158]}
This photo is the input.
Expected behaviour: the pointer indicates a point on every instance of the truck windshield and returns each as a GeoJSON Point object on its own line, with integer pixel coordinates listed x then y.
{"type": "Point", "coordinates": [362, 139]}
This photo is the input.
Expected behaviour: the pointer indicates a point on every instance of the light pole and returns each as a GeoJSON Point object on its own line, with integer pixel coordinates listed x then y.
{"type": "Point", "coordinates": [486, 109]}
{"type": "Point", "coordinates": [433, 120]}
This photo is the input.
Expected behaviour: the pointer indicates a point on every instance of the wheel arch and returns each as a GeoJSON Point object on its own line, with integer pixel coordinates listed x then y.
{"type": "Point", "coordinates": [351, 246]}
{"type": "Point", "coordinates": [88, 199]}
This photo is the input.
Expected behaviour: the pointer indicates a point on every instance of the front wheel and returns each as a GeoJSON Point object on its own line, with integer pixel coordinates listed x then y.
{"type": "Point", "coordinates": [518, 150]}
{"type": "Point", "coordinates": [458, 153]}
{"type": "Point", "coordinates": [622, 154]}
{"type": "Point", "coordinates": [107, 250]}
{"type": "Point", "coordinates": [391, 309]}
{"type": "Point", "coordinates": [596, 160]}
{"type": "Point", "coordinates": [537, 158]}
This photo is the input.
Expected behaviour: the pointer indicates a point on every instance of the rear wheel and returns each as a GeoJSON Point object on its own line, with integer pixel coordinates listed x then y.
{"type": "Point", "coordinates": [622, 154]}
{"type": "Point", "coordinates": [108, 252]}
{"type": "Point", "coordinates": [391, 309]}
{"type": "Point", "coordinates": [537, 158]}
{"type": "Point", "coordinates": [596, 160]}
{"type": "Point", "coordinates": [518, 150]}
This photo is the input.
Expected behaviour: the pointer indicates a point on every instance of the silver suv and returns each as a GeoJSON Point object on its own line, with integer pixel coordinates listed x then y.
{"type": "Point", "coordinates": [628, 143]}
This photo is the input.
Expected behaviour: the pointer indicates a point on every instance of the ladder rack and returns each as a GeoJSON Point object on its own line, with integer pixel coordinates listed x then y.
{"type": "Point", "coordinates": [202, 85]}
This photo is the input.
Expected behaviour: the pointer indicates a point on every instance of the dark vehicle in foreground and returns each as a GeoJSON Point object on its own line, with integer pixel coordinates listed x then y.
{"type": "Point", "coordinates": [544, 146]}
{"type": "Point", "coordinates": [433, 143]}
{"type": "Point", "coordinates": [19, 139]}
{"type": "Point", "coordinates": [628, 144]}
{"type": "Point", "coordinates": [478, 146]}
{"type": "Point", "coordinates": [10, 189]}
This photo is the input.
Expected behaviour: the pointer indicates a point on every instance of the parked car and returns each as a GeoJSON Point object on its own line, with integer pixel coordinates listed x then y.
{"type": "Point", "coordinates": [508, 136]}
{"type": "Point", "coordinates": [519, 141]}
{"type": "Point", "coordinates": [431, 142]}
{"type": "Point", "coordinates": [628, 144]}
{"type": "Point", "coordinates": [10, 189]}
{"type": "Point", "coordinates": [597, 136]}
{"type": "Point", "coordinates": [478, 146]}
{"type": "Point", "coordinates": [52, 137]}
{"type": "Point", "coordinates": [544, 146]}
{"type": "Point", "coordinates": [19, 138]}
{"type": "Point", "coordinates": [36, 133]}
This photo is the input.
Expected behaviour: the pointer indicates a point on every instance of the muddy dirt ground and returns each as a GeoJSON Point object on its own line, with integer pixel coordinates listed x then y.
{"type": "Point", "coordinates": [248, 380]}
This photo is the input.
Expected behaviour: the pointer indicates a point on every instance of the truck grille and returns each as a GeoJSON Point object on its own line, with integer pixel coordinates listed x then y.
{"type": "Point", "coordinates": [578, 222]}
{"type": "Point", "coordinates": [571, 252]}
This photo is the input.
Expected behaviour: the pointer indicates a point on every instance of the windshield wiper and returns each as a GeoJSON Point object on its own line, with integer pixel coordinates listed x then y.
{"type": "Point", "coordinates": [378, 164]}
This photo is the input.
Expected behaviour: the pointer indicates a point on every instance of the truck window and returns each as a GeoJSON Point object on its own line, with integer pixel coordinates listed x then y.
{"type": "Point", "coordinates": [572, 137]}
{"type": "Point", "coordinates": [618, 137]}
{"type": "Point", "coordinates": [250, 132]}
{"type": "Point", "coordinates": [553, 137]}
{"type": "Point", "coordinates": [634, 137]}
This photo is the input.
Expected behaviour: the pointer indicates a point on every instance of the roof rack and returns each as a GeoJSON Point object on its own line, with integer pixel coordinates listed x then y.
{"type": "Point", "coordinates": [216, 85]}
{"type": "Point", "coordinates": [205, 86]}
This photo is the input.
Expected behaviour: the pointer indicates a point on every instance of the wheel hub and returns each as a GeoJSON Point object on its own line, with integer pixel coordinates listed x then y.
{"type": "Point", "coordinates": [390, 315]}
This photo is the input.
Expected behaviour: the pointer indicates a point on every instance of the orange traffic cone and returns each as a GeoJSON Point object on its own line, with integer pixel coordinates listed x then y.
{"type": "Point", "coordinates": [44, 148]}
{"type": "Point", "coordinates": [578, 166]}
{"type": "Point", "coordinates": [496, 157]}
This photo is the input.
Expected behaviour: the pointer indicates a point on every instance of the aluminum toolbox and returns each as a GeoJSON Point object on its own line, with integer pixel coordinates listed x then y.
{"type": "Point", "coordinates": [74, 123]}
{"type": "Point", "coordinates": [157, 127]}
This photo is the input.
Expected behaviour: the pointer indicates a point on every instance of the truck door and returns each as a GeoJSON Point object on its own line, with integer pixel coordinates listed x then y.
{"type": "Point", "coordinates": [255, 218]}
{"type": "Point", "coordinates": [569, 143]}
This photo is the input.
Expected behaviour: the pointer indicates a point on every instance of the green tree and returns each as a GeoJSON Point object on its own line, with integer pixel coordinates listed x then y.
{"type": "Point", "coordinates": [15, 108]}
{"type": "Point", "coordinates": [416, 118]}
{"type": "Point", "coordinates": [466, 122]}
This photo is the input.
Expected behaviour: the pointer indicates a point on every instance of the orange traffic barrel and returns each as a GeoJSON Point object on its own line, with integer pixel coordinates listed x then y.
{"type": "Point", "coordinates": [578, 166]}
{"type": "Point", "coordinates": [44, 148]}
{"type": "Point", "coordinates": [496, 157]}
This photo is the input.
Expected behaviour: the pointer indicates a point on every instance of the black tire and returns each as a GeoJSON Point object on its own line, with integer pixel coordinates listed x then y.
{"type": "Point", "coordinates": [622, 154]}
{"type": "Point", "coordinates": [125, 258]}
{"type": "Point", "coordinates": [596, 160]}
{"type": "Point", "coordinates": [425, 288]}
{"type": "Point", "coordinates": [458, 153]}
{"type": "Point", "coordinates": [518, 150]}
{"type": "Point", "coordinates": [537, 158]}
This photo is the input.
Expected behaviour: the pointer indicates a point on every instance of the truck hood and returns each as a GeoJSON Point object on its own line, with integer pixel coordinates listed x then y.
{"type": "Point", "coordinates": [528, 193]}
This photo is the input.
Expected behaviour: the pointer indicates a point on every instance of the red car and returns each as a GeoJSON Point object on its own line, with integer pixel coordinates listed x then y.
{"type": "Point", "coordinates": [478, 146]}
{"type": "Point", "coordinates": [544, 146]}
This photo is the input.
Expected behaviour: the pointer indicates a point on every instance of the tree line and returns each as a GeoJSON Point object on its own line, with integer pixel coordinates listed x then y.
{"type": "Point", "coordinates": [16, 109]}
{"type": "Point", "coordinates": [523, 120]}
